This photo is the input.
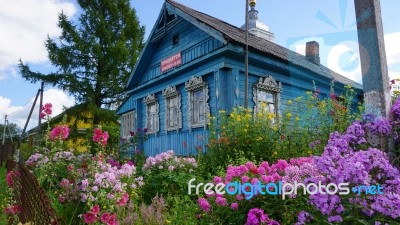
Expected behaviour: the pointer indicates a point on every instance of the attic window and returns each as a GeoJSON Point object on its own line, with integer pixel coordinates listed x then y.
{"type": "Point", "coordinates": [175, 40]}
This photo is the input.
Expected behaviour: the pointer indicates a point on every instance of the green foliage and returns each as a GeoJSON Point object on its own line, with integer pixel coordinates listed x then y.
{"type": "Point", "coordinates": [184, 210]}
{"type": "Point", "coordinates": [3, 194]}
{"type": "Point", "coordinates": [302, 129]}
{"type": "Point", "coordinates": [12, 130]}
{"type": "Point", "coordinates": [95, 57]}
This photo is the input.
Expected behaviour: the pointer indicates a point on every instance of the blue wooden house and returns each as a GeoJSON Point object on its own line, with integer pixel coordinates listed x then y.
{"type": "Point", "coordinates": [193, 65]}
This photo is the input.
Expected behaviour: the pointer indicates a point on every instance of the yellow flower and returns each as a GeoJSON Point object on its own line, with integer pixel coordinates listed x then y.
{"type": "Point", "coordinates": [275, 153]}
{"type": "Point", "coordinates": [289, 102]}
{"type": "Point", "coordinates": [263, 105]}
{"type": "Point", "coordinates": [309, 152]}
{"type": "Point", "coordinates": [297, 118]}
{"type": "Point", "coordinates": [245, 130]}
{"type": "Point", "coordinates": [259, 139]}
{"type": "Point", "coordinates": [271, 116]}
{"type": "Point", "coordinates": [259, 115]}
{"type": "Point", "coordinates": [274, 128]}
{"type": "Point", "coordinates": [238, 118]}
{"type": "Point", "coordinates": [288, 115]}
{"type": "Point", "coordinates": [298, 99]}
{"type": "Point", "coordinates": [232, 115]}
{"type": "Point", "coordinates": [167, 221]}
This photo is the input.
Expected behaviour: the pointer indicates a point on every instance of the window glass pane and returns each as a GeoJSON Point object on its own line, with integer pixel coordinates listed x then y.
{"type": "Point", "coordinates": [173, 117]}
{"type": "Point", "coordinates": [172, 112]}
{"type": "Point", "coordinates": [201, 111]}
{"type": "Point", "coordinates": [266, 101]}
{"type": "Point", "coordinates": [152, 117]}
{"type": "Point", "coordinates": [195, 112]}
{"type": "Point", "coordinates": [198, 106]}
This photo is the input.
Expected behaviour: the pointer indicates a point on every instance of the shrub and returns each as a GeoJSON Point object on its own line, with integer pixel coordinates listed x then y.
{"type": "Point", "coordinates": [301, 130]}
{"type": "Point", "coordinates": [167, 175]}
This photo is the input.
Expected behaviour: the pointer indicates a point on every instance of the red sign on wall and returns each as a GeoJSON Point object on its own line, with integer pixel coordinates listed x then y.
{"type": "Point", "coordinates": [171, 62]}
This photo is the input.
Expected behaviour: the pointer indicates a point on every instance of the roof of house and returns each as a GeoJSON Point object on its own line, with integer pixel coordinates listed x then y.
{"type": "Point", "coordinates": [236, 35]}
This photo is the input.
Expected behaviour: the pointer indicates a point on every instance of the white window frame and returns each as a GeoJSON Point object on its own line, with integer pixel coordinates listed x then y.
{"type": "Point", "coordinates": [268, 85]}
{"type": "Point", "coordinates": [169, 94]}
{"type": "Point", "coordinates": [150, 101]}
{"type": "Point", "coordinates": [128, 121]}
{"type": "Point", "coordinates": [193, 85]}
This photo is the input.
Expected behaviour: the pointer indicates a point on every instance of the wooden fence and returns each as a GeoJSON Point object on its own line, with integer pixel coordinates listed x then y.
{"type": "Point", "coordinates": [6, 152]}
{"type": "Point", "coordinates": [35, 205]}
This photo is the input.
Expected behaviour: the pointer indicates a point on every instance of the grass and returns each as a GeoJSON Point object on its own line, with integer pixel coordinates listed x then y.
{"type": "Point", "coordinates": [3, 195]}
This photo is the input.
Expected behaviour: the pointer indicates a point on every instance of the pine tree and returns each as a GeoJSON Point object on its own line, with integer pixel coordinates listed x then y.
{"type": "Point", "coordinates": [93, 58]}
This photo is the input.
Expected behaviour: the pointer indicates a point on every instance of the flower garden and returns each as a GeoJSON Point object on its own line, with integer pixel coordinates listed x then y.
{"type": "Point", "coordinates": [315, 141]}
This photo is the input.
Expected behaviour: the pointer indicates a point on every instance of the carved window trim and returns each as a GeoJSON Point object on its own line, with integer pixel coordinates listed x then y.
{"type": "Point", "coordinates": [193, 85]}
{"type": "Point", "coordinates": [128, 121]}
{"type": "Point", "coordinates": [269, 85]}
{"type": "Point", "coordinates": [150, 101]}
{"type": "Point", "coordinates": [170, 93]}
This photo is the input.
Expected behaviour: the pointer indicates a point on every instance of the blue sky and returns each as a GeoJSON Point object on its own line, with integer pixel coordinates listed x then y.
{"type": "Point", "coordinates": [25, 25]}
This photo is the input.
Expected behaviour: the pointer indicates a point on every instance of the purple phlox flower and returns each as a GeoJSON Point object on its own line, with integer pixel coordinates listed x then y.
{"type": "Point", "coordinates": [204, 205]}
{"type": "Point", "coordinates": [380, 126]}
{"type": "Point", "coordinates": [303, 218]}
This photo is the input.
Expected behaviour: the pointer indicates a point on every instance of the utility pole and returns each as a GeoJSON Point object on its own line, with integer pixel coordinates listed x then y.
{"type": "Point", "coordinates": [4, 129]}
{"type": "Point", "coordinates": [246, 57]}
{"type": "Point", "coordinates": [40, 108]}
{"type": "Point", "coordinates": [373, 62]}
{"type": "Point", "coordinates": [373, 57]}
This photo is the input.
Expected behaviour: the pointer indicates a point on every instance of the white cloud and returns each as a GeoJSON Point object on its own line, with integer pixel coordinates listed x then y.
{"type": "Point", "coordinates": [19, 114]}
{"type": "Point", "coordinates": [25, 25]}
{"type": "Point", "coordinates": [344, 58]}
{"type": "Point", "coordinates": [394, 75]}
{"type": "Point", "coordinates": [300, 46]}
{"type": "Point", "coordinates": [392, 48]}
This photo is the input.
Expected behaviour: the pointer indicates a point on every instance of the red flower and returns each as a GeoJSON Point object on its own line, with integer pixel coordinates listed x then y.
{"type": "Point", "coordinates": [61, 198]}
{"type": "Point", "coordinates": [95, 209]}
{"type": "Point", "coordinates": [59, 132]}
{"type": "Point", "coordinates": [46, 110]}
{"type": "Point", "coordinates": [9, 178]}
{"type": "Point", "coordinates": [254, 170]}
{"type": "Point", "coordinates": [89, 218]}
{"type": "Point", "coordinates": [100, 137]}
{"type": "Point", "coordinates": [123, 200]}
{"type": "Point", "coordinates": [105, 217]}
{"type": "Point", "coordinates": [70, 167]}
{"type": "Point", "coordinates": [12, 210]}
{"type": "Point", "coordinates": [113, 220]}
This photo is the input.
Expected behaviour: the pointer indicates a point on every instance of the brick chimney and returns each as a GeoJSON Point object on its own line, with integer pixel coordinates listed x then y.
{"type": "Point", "coordinates": [312, 52]}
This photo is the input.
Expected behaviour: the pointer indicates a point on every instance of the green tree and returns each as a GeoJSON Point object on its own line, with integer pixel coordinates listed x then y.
{"type": "Point", "coordinates": [12, 130]}
{"type": "Point", "coordinates": [93, 58]}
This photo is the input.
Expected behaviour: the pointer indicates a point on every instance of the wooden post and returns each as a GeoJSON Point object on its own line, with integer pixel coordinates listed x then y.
{"type": "Point", "coordinates": [373, 57]}
{"type": "Point", "coordinates": [373, 63]}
